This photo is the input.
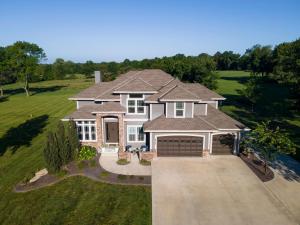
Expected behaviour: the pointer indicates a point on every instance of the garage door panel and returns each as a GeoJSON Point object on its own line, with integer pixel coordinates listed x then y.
{"type": "Point", "coordinates": [179, 146]}
{"type": "Point", "coordinates": [223, 144]}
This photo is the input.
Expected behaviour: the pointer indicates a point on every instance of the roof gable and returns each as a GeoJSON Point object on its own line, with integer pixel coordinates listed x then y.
{"type": "Point", "coordinates": [135, 85]}
{"type": "Point", "coordinates": [179, 93]}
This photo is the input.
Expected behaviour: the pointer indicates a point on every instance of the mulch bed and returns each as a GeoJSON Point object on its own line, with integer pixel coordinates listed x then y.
{"type": "Point", "coordinates": [257, 166]}
{"type": "Point", "coordinates": [96, 173]}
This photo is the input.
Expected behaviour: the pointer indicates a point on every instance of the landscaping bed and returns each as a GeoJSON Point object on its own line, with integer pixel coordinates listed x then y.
{"type": "Point", "coordinates": [87, 168]}
{"type": "Point", "coordinates": [257, 166]}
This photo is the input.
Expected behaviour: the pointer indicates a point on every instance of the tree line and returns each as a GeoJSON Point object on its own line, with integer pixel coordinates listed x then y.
{"type": "Point", "coordinates": [24, 62]}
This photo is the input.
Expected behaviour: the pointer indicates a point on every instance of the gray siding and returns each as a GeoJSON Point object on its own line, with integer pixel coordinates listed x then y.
{"type": "Point", "coordinates": [189, 109]}
{"type": "Point", "coordinates": [82, 103]}
{"type": "Point", "coordinates": [170, 109]}
{"type": "Point", "coordinates": [133, 144]}
{"type": "Point", "coordinates": [199, 109]}
{"type": "Point", "coordinates": [214, 104]}
{"type": "Point", "coordinates": [157, 110]}
{"type": "Point", "coordinates": [206, 136]}
{"type": "Point", "coordinates": [137, 116]}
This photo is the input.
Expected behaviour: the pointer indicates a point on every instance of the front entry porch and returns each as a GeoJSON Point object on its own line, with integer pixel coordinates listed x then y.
{"type": "Point", "coordinates": [110, 132]}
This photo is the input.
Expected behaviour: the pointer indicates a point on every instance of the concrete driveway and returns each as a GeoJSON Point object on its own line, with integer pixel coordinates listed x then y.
{"type": "Point", "coordinates": [217, 190]}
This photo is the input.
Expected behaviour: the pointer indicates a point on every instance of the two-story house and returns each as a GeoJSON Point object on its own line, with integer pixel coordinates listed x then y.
{"type": "Point", "coordinates": [151, 108]}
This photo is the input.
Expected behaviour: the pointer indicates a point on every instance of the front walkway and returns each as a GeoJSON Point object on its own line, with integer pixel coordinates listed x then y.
{"type": "Point", "coordinates": [109, 163]}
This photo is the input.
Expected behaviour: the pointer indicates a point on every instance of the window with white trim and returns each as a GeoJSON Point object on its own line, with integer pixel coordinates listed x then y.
{"type": "Point", "coordinates": [179, 109]}
{"type": "Point", "coordinates": [135, 134]}
{"type": "Point", "coordinates": [135, 104]}
{"type": "Point", "coordinates": [86, 130]}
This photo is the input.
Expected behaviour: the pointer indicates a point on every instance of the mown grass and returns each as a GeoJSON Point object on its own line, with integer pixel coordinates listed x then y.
{"type": "Point", "coordinates": [275, 104]}
{"type": "Point", "coordinates": [24, 122]}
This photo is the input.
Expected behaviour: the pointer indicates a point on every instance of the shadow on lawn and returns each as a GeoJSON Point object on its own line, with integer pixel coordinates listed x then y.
{"type": "Point", "coordinates": [23, 134]}
{"type": "Point", "coordinates": [241, 80]}
{"type": "Point", "coordinates": [3, 98]}
{"type": "Point", "coordinates": [34, 90]}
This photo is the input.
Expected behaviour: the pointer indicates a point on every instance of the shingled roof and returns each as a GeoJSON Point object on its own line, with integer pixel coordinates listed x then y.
{"type": "Point", "coordinates": [135, 85]}
{"type": "Point", "coordinates": [89, 111]}
{"type": "Point", "coordinates": [179, 93]}
{"type": "Point", "coordinates": [214, 120]}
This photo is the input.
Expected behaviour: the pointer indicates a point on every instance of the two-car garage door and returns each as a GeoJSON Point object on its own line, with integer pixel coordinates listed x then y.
{"type": "Point", "coordinates": [179, 146]}
{"type": "Point", "coordinates": [222, 144]}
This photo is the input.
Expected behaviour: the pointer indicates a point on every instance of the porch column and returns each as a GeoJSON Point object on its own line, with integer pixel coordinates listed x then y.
{"type": "Point", "coordinates": [121, 133]}
{"type": "Point", "coordinates": [99, 130]}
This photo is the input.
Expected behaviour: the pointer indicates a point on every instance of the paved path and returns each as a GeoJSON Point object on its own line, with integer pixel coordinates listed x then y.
{"type": "Point", "coordinates": [218, 190]}
{"type": "Point", "coordinates": [109, 163]}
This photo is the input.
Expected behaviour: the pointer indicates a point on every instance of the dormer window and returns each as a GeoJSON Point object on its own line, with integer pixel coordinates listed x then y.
{"type": "Point", "coordinates": [179, 109]}
{"type": "Point", "coordinates": [135, 104]}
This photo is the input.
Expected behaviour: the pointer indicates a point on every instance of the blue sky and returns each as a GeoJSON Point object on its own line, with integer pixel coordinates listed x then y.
{"type": "Point", "coordinates": [81, 30]}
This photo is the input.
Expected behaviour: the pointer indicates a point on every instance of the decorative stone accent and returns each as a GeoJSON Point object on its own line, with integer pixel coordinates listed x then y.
{"type": "Point", "coordinates": [99, 130]}
{"type": "Point", "coordinates": [121, 133]}
{"type": "Point", "coordinates": [100, 135]}
{"type": "Point", "coordinates": [148, 155]}
{"type": "Point", "coordinates": [38, 175]}
{"type": "Point", "coordinates": [93, 144]}
{"type": "Point", "coordinates": [205, 153]}
{"type": "Point", "coordinates": [124, 155]}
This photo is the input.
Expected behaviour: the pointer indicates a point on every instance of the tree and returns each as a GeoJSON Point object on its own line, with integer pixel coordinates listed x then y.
{"type": "Point", "coordinates": [269, 142]}
{"type": "Point", "coordinates": [227, 60]}
{"type": "Point", "coordinates": [24, 57]}
{"type": "Point", "coordinates": [51, 154]}
{"type": "Point", "coordinates": [287, 67]}
{"type": "Point", "coordinates": [63, 144]}
{"type": "Point", "coordinates": [72, 138]}
{"type": "Point", "coordinates": [252, 91]}
{"type": "Point", "coordinates": [59, 69]}
{"type": "Point", "coordinates": [260, 59]}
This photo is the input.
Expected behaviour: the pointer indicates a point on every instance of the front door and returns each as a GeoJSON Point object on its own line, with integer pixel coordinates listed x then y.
{"type": "Point", "coordinates": [112, 132]}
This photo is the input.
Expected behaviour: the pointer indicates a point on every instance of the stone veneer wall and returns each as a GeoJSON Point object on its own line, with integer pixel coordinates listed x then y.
{"type": "Point", "coordinates": [100, 136]}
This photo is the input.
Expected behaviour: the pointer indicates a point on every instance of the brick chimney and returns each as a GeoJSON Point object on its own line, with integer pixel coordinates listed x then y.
{"type": "Point", "coordinates": [97, 77]}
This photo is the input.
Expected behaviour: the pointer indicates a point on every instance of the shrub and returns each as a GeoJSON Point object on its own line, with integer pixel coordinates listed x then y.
{"type": "Point", "coordinates": [87, 153]}
{"type": "Point", "coordinates": [122, 177]}
{"type": "Point", "coordinates": [51, 154]}
{"type": "Point", "coordinates": [145, 162]}
{"type": "Point", "coordinates": [123, 162]}
{"type": "Point", "coordinates": [104, 174]}
{"type": "Point", "coordinates": [93, 163]}
{"type": "Point", "coordinates": [81, 165]}
{"type": "Point", "coordinates": [73, 140]}
{"type": "Point", "coordinates": [28, 177]}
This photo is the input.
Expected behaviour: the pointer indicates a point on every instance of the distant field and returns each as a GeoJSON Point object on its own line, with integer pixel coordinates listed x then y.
{"type": "Point", "coordinates": [24, 122]}
{"type": "Point", "coordinates": [274, 104]}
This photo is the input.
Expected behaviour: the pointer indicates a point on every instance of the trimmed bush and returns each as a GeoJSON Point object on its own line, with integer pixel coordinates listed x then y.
{"type": "Point", "coordinates": [123, 162]}
{"type": "Point", "coordinates": [51, 154]}
{"type": "Point", "coordinates": [145, 162]}
{"type": "Point", "coordinates": [87, 153]}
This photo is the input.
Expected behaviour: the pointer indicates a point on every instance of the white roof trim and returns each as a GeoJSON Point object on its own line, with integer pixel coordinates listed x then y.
{"type": "Point", "coordinates": [135, 92]}
{"type": "Point", "coordinates": [138, 120]}
{"type": "Point", "coordinates": [107, 100]}
{"type": "Point", "coordinates": [83, 99]}
{"type": "Point", "coordinates": [218, 98]}
{"type": "Point", "coordinates": [179, 100]}
{"type": "Point", "coordinates": [64, 119]}
{"type": "Point", "coordinates": [95, 112]}
{"type": "Point", "coordinates": [176, 131]}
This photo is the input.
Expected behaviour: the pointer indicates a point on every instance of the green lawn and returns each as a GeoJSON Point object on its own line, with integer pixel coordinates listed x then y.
{"type": "Point", "coordinates": [24, 121]}
{"type": "Point", "coordinates": [275, 104]}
